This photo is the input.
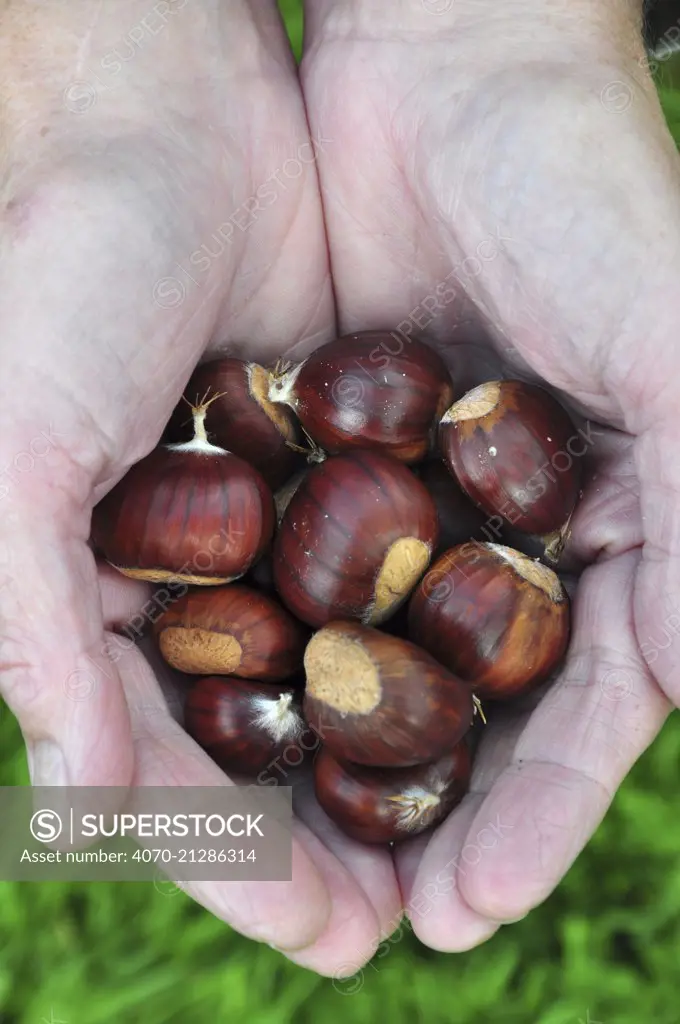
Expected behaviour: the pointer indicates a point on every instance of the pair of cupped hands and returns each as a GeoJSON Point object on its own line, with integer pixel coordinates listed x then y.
{"type": "Point", "coordinates": [172, 186]}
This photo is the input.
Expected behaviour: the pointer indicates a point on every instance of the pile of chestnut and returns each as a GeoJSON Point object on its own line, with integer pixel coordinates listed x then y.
{"type": "Point", "coordinates": [367, 512]}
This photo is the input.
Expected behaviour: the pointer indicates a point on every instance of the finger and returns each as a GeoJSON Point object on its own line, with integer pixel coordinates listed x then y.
{"type": "Point", "coordinates": [352, 933]}
{"type": "Point", "coordinates": [372, 867]}
{"type": "Point", "coordinates": [281, 301]}
{"type": "Point", "coordinates": [357, 922]}
{"type": "Point", "coordinates": [577, 747]}
{"type": "Point", "coordinates": [431, 867]}
{"type": "Point", "coordinates": [351, 872]}
{"type": "Point", "coordinates": [429, 871]}
{"type": "Point", "coordinates": [321, 918]}
{"type": "Point", "coordinates": [123, 599]}
{"type": "Point", "coordinates": [54, 671]}
{"type": "Point", "coordinates": [354, 928]}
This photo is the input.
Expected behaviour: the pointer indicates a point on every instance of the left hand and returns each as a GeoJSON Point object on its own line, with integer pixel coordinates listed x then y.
{"type": "Point", "coordinates": [114, 191]}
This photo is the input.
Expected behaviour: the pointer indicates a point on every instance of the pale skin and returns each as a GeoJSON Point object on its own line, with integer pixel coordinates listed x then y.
{"type": "Point", "coordinates": [529, 129]}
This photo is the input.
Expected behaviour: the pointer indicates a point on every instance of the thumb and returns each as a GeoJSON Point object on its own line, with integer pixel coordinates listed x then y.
{"type": "Point", "coordinates": [54, 671]}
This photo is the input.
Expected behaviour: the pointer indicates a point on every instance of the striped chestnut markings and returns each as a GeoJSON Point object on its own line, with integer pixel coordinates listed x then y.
{"type": "Point", "coordinates": [187, 513]}
{"type": "Point", "coordinates": [497, 618]}
{"type": "Point", "coordinates": [368, 390]}
{"type": "Point", "coordinates": [354, 541]}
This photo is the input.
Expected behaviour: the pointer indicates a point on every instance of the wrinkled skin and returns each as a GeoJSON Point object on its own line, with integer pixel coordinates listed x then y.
{"type": "Point", "coordinates": [531, 139]}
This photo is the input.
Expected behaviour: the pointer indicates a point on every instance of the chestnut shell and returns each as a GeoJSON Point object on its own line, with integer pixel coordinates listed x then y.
{"type": "Point", "coordinates": [378, 700]}
{"type": "Point", "coordinates": [241, 419]}
{"type": "Point", "coordinates": [495, 617]}
{"type": "Point", "coordinates": [225, 717]}
{"type": "Point", "coordinates": [235, 631]}
{"type": "Point", "coordinates": [372, 389]}
{"type": "Point", "coordinates": [510, 446]}
{"type": "Point", "coordinates": [355, 539]}
{"type": "Point", "coordinates": [187, 516]}
{"type": "Point", "coordinates": [382, 805]}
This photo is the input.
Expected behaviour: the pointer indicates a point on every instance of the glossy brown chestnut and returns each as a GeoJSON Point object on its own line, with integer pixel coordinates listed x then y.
{"type": "Point", "coordinates": [383, 805]}
{"type": "Point", "coordinates": [368, 390]}
{"type": "Point", "coordinates": [242, 724]}
{"type": "Point", "coordinates": [515, 451]}
{"type": "Point", "coordinates": [231, 631]}
{"type": "Point", "coordinates": [377, 700]}
{"type": "Point", "coordinates": [242, 419]}
{"type": "Point", "coordinates": [459, 519]}
{"type": "Point", "coordinates": [191, 513]}
{"type": "Point", "coordinates": [354, 541]}
{"type": "Point", "coordinates": [493, 616]}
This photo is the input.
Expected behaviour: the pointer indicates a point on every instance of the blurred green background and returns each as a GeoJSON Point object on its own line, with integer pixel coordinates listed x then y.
{"type": "Point", "coordinates": [605, 947]}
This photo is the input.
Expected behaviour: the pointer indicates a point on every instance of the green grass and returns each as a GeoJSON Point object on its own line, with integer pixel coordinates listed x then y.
{"type": "Point", "coordinates": [606, 943]}
{"type": "Point", "coordinates": [292, 10]}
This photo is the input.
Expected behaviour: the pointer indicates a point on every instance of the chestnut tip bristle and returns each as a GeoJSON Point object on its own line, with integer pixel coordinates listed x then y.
{"type": "Point", "coordinates": [281, 368]}
{"type": "Point", "coordinates": [415, 802]}
{"type": "Point", "coordinates": [260, 382]}
{"type": "Point", "coordinates": [200, 443]}
{"type": "Point", "coordinates": [277, 717]}
{"type": "Point", "coordinates": [202, 405]}
{"type": "Point", "coordinates": [313, 453]}
{"type": "Point", "coordinates": [282, 383]}
{"type": "Point", "coordinates": [556, 541]}
{"type": "Point", "coordinates": [478, 709]}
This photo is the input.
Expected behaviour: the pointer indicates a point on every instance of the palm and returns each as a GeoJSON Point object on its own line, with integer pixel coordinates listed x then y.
{"type": "Point", "coordinates": [561, 201]}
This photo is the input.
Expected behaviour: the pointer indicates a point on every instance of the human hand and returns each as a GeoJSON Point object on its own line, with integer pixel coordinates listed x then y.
{"type": "Point", "coordinates": [503, 172]}
{"type": "Point", "coordinates": [158, 201]}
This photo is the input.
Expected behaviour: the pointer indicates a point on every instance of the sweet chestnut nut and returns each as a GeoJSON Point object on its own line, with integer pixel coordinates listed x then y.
{"type": "Point", "coordinates": [187, 513]}
{"type": "Point", "coordinates": [368, 390]}
{"type": "Point", "coordinates": [242, 724]}
{"type": "Point", "coordinates": [508, 445]}
{"type": "Point", "coordinates": [233, 631]}
{"type": "Point", "coordinates": [354, 540]}
{"type": "Point", "coordinates": [242, 419]}
{"type": "Point", "coordinates": [383, 805]}
{"type": "Point", "coordinates": [378, 700]}
{"type": "Point", "coordinates": [495, 617]}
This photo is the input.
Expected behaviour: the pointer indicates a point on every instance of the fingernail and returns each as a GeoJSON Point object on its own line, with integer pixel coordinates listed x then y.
{"type": "Point", "coordinates": [47, 764]}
